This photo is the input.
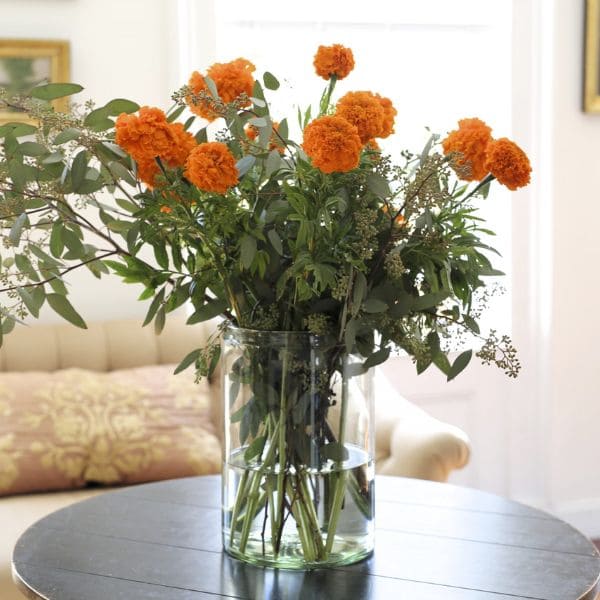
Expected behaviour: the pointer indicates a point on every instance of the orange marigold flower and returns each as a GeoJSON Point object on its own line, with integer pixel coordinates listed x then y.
{"type": "Point", "coordinates": [333, 60]}
{"type": "Point", "coordinates": [333, 144]}
{"type": "Point", "coordinates": [149, 135]}
{"type": "Point", "coordinates": [389, 115]}
{"type": "Point", "coordinates": [143, 136]}
{"type": "Point", "coordinates": [508, 163]}
{"type": "Point", "coordinates": [211, 167]}
{"type": "Point", "coordinates": [275, 143]}
{"type": "Point", "coordinates": [371, 114]}
{"type": "Point", "coordinates": [469, 142]}
{"type": "Point", "coordinates": [166, 209]}
{"type": "Point", "coordinates": [232, 80]}
{"type": "Point", "coordinates": [148, 170]}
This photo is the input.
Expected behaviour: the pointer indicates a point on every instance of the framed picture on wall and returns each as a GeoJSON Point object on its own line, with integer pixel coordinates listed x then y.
{"type": "Point", "coordinates": [591, 78]}
{"type": "Point", "coordinates": [27, 63]}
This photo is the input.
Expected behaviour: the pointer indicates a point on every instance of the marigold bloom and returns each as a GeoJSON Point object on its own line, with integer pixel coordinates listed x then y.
{"type": "Point", "coordinates": [389, 115]}
{"type": "Point", "coordinates": [166, 209]}
{"type": "Point", "coordinates": [371, 114]}
{"type": "Point", "coordinates": [211, 167]}
{"type": "Point", "coordinates": [275, 142]}
{"type": "Point", "coordinates": [232, 79]}
{"type": "Point", "coordinates": [145, 135]}
{"type": "Point", "coordinates": [147, 171]}
{"type": "Point", "coordinates": [469, 142]}
{"type": "Point", "coordinates": [333, 144]}
{"type": "Point", "coordinates": [149, 135]}
{"type": "Point", "coordinates": [333, 60]}
{"type": "Point", "coordinates": [508, 163]}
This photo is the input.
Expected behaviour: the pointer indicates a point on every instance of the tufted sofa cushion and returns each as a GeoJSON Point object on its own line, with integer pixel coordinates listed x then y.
{"type": "Point", "coordinates": [74, 427]}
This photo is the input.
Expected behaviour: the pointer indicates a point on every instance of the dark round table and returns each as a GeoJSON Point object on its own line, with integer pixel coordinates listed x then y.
{"type": "Point", "coordinates": [434, 541]}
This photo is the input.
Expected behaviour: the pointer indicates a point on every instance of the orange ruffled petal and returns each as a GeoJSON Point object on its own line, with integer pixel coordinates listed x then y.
{"type": "Point", "coordinates": [211, 167]}
{"type": "Point", "coordinates": [469, 142]}
{"type": "Point", "coordinates": [333, 60]}
{"type": "Point", "coordinates": [508, 163]}
{"type": "Point", "coordinates": [149, 135]}
{"type": "Point", "coordinates": [333, 144]}
{"type": "Point", "coordinates": [371, 114]}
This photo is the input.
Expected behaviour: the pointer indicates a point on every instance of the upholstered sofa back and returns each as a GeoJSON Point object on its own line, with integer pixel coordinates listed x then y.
{"type": "Point", "coordinates": [106, 346]}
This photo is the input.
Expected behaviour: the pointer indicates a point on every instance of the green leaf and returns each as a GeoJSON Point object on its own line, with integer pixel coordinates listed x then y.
{"type": "Point", "coordinates": [17, 130]}
{"type": "Point", "coordinates": [273, 162]}
{"type": "Point", "coordinates": [442, 363]}
{"type": "Point", "coordinates": [62, 307]}
{"type": "Point", "coordinates": [207, 311]}
{"type": "Point", "coordinates": [159, 321]}
{"type": "Point", "coordinates": [14, 235]}
{"type": "Point", "coordinates": [212, 87]}
{"type": "Point", "coordinates": [98, 119]}
{"type": "Point", "coordinates": [52, 91]}
{"type": "Point", "coordinates": [172, 116]}
{"type": "Point", "coordinates": [120, 105]}
{"type": "Point", "coordinates": [378, 185]}
{"type": "Point", "coordinates": [68, 135]}
{"type": "Point", "coordinates": [271, 82]}
{"type": "Point", "coordinates": [28, 300]}
{"type": "Point", "coordinates": [78, 170]}
{"type": "Point", "coordinates": [423, 365]}
{"type": "Point", "coordinates": [154, 305]}
{"type": "Point", "coordinates": [189, 359]}
{"type": "Point", "coordinates": [377, 358]}
{"type": "Point", "coordinates": [373, 305]}
{"type": "Point", "coordinates": [161, 256]}
{"type": "Point", "coordinates": [255, 448]}
{"type": "Point", "coordinates": [245, 164]}
{"type": "Point", "coordinates": [359, 291]}
{"type": "Point", "coordinates": [335, 451]}
{"type": "Point", "coordinates": [429, 300]}
{"type": "Point", "coordinates": [32, 149]}
{"type": "Point", "coordinates": [275, 241]}
{"type": "Point", "coordinates": [461, 362]}
{"type": "Point", "coordinates": [247, 250]}
{"type": "Point", "coordinates": [258, 122]}
{"type": "Point", "coordinates": [471, 323]}
{"type": "Point", "coordinates": [119, 171]}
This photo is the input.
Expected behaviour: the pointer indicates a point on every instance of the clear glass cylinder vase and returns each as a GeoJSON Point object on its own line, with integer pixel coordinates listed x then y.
{"type": "Point", "coordinates": [298, 473]}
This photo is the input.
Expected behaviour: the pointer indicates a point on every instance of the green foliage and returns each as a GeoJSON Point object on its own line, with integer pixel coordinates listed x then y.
{"type": "Point", "coordinates": [384, 256]}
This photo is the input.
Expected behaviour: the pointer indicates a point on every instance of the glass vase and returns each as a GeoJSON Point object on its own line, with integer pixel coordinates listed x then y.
{"type": "Point", "coordinates": [298, 474]}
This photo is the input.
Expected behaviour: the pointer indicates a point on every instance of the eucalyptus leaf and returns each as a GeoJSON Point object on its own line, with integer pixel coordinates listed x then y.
{"type": "Point", "coordinates": [52, 91]}
{"type": "Point", "coordinates": [62, 307]}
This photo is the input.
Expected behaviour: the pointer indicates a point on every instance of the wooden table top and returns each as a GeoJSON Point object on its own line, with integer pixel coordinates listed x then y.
{"type": "Point", "coordinates": [433, 541]}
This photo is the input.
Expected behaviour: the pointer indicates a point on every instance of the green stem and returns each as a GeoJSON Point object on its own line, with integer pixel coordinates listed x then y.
{"type": "Point", "coordinates": [340, 486]}
{"type": "Point", "coordinates": [326, 98]}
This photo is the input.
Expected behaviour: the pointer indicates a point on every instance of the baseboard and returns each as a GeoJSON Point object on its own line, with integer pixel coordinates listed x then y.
{"type": "Point", "coordinates": [582, 514]}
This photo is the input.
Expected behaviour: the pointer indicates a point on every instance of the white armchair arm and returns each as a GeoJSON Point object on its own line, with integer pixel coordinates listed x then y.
{"type": "Point", "coordinates": [410, 442]}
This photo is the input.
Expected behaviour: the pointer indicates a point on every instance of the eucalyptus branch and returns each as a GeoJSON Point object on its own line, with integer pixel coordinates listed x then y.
{"type": "Point", "coordinates": [60, 275]}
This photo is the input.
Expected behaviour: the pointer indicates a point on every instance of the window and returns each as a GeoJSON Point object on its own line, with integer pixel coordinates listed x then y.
{"type": "Point", "coordinates": [438, 61]}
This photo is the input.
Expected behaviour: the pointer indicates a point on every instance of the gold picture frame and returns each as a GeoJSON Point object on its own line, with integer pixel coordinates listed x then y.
{"type": "Point", "coordinates": [591, 79]}
{"type": "Point", "coordinates": [27, 63]}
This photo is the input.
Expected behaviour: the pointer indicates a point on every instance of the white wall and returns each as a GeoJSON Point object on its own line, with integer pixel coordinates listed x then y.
{"type": "Point", "coordinates": [119, 48]}
{"type": "Point", "coordinates": [574, 460]}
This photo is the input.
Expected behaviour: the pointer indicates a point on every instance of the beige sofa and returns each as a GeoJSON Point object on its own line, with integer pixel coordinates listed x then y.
{"type": "Point", "coordinates": [108, 357]}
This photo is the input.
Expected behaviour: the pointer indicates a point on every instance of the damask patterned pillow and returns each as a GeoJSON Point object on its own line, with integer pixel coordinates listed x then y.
{"type": "Point", "coordinates": [71, 428]}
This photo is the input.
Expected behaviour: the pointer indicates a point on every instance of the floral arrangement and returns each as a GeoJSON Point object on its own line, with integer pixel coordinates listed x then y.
{"type": "Point", "coordinates": [327, 235]}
